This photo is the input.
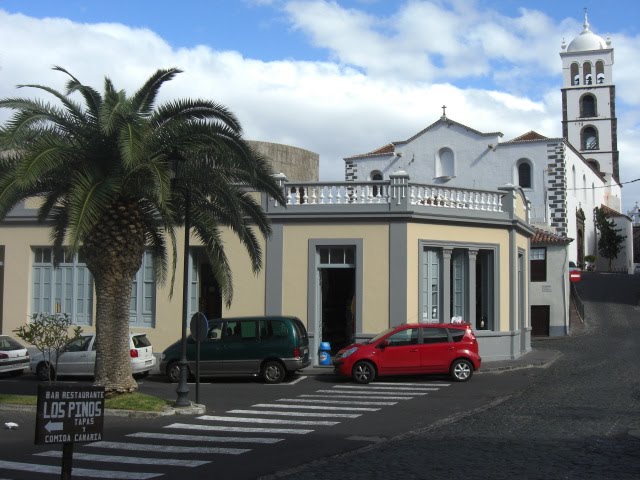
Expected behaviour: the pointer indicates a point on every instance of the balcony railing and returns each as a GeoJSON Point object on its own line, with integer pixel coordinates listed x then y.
{"type": "Point", "coordinates": [395, 191]}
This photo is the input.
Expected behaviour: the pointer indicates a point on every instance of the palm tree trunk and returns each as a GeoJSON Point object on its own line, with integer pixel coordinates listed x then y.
{"type": "Point", "coordinates": [113, 365]}
{"type": "Point", "coordinates": [113, 253]}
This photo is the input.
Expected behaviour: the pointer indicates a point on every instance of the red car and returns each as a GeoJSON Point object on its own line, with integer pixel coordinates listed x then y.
{"type": "Point", "coordinates": [412, 349]}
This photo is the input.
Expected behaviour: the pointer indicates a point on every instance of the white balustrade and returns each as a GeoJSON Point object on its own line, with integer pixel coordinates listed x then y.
{"type": "Point", "coordinates": [365, 193]}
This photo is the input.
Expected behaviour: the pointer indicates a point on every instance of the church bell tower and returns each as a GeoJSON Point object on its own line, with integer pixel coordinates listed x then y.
{"type": "Point", "coordinates": [589, 101]}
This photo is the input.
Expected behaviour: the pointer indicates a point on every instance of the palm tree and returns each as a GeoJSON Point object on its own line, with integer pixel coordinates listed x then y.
{"type": "Point", "coordinates": [114, 173]}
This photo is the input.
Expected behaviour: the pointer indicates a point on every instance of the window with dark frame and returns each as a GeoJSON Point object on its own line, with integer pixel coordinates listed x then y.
{"type": "Point", "coordinates": [538, 259]}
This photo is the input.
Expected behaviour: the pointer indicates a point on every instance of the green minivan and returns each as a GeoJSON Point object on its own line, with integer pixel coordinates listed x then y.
{"type": "Point", "coordinates": [272, 347]}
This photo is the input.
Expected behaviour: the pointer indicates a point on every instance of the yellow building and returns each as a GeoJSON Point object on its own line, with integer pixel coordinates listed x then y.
{"type": "Point", "coordinates": [348, 258]}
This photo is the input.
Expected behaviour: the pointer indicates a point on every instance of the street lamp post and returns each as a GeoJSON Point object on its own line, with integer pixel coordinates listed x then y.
{"type": "Point", "coordinates": [182, 399]}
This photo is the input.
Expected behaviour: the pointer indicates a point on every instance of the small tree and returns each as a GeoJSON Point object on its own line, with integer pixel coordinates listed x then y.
{"type": "Point", "coordinates": [609, 239]}
{"type": "Point", "coordinates": [49, 334]}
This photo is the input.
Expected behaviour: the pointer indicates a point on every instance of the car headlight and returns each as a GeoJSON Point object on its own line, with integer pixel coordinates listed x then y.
{"type": "Point", "coordinates": [348, 352]}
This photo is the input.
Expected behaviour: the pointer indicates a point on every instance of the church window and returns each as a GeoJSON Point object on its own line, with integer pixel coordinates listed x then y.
{"type": "Point", "coordinates": [524, 173]}
{"type": "Point", "coordinates": [376, 176]}
{"type": "Point", "coordinates": [588, 106]}
{"type": "Point", "coordinates": [445, 163]}
{"type": "Point", "coordinates": [594, 164]}
{"type": "Point", "coordinates": [599, 72]}
{"type": "Point", "coordinates": [589, 138]}
{"type": "Point", "coordinates": [575, 74]}
{"type": "Point", "coordinates": [586, 70]}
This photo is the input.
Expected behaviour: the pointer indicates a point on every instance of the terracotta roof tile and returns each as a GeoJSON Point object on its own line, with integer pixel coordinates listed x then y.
{"type": "Point", "coordinates": [544, 237]}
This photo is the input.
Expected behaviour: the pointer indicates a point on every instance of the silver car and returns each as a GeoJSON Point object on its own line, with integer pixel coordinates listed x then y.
{"type": "Point", "coordinates": [79, 358]}
{"type": "Point", "coordinates": [14, 357]}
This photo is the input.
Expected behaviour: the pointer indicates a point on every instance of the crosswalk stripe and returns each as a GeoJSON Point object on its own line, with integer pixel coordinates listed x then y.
{"type": "Point", "coordinates": [204, 438]}
{"type": "Point", "coordinates": [370, 388]}
{"type": "Point", "coordinates": [380, 394]}
{"type": "Point", "coordinates": [122, 459]}
{"type": "Point", "coordinates": [334, 402]}
{"type": "Point", "coordinates": [225, 428]}
{"type": "Point", "coordinates": [146, 447]}
{"type": "Point", "coordinates": [414, 384]}
{"type": "Point", "coordinates": [77, 472]}
{"type": "Point", "coordinates": [355, 395]}
{"type": "Point", "coordinates": [296, 414]}
{"type": "Point", "coordinates": [273, 421]}
{"type": "Point", "coordinates": [316, 407]}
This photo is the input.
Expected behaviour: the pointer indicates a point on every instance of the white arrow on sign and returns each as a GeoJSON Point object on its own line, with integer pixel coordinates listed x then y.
{"type": "Point", "coordinates": [52, 426]}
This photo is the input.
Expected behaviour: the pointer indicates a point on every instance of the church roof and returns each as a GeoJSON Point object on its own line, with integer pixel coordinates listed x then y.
{"type": "Point", "coordinates": [531, 135]}
{"type": "Point", "coordinates": [443, 120]}
{"type": "Point", "coordinates": [587, 40]}
{"type": "Point", "coordinates": [610, 212]}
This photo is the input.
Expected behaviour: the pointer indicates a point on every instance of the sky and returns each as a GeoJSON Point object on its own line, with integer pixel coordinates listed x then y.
{"type": "Point", "coordinates": [335, 77]}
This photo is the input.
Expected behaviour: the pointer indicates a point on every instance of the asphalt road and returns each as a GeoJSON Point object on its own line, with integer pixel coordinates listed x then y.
{"type": "Point", "coordinates": [570, 420]}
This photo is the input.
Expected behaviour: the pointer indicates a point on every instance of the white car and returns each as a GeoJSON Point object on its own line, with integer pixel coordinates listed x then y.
{"type": "Point", "coordinates": [79, 358]}
{"type": "Point", "coordinates": [14, 357]}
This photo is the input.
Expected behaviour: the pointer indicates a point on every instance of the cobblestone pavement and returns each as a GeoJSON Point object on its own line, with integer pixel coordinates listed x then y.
{"type": "Point", "coordinates": [577, 419]}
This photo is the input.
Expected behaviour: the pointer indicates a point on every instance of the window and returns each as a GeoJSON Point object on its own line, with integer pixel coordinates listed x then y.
{"type": "Point", "coordinates": [524, 174]}
{"type": "Point", "coordinates": [586, 69]}
{"type": "Point", "coordinates": [403, 337]}
{"type": "Point", "coordinates": [449, 287]}
{"type": "Point", "coordinates": [538, 258]}
{"type": "Point", "coordinates": [588, 106]}
{"type": "Point", "coordinates": [273, 329]}
{"type": "Point", "coordinates": [575, 74]}
{"type": "Point", "coordinates": [599, 72]}
{"type": "Point", "coordinates": [431, 292]}
{"type": "Point", "coordinates": [143, 294]}
{"type": "Point", "coordinates": [589, 138]}
{"type": "Point", "coordinates": [376, 176]}
{"type": "Point", "coordinates": [458, 283]}
{"type": "Point", "coordinates": [67, 288]}
{"type": "Point", "coordinates": [337, 256]}
{"type": "Point", "coordinates": [244, 330]}
{"type": "Point", "coordinates": [445, 164]}
{"type": "Point", "coordinates": [435, 335]}
{"type": "Point", "coordinates": [594, 164]}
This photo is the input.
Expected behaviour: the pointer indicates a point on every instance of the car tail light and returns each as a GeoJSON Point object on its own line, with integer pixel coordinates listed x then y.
{"type": "Point", "coordinates": [471, 335]}
{"type": "Point", "coordinates": [134, 353]}
{"type": "Point", "coordinates": [4, 355]}
{"type": "Point", "coordinates": [296, 352]}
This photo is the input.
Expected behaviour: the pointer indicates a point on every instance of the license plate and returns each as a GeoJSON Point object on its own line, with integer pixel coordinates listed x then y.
{"type": "Point", "coordinates": [148, 362]}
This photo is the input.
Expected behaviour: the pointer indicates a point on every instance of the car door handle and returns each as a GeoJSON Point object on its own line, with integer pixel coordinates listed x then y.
{"type": "Point", "coordinates": [413, 350]}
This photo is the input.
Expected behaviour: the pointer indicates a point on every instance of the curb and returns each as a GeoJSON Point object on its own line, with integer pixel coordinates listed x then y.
{"type": "Point", "coordinates": [193, 409]}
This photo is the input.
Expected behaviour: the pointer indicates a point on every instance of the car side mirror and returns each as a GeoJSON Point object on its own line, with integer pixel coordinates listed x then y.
{"type": "Point", "coordinates": [383, 344]}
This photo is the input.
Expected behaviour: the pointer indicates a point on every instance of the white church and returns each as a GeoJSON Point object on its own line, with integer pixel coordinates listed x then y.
{"type": "Point", "coordinates": [563, 178]}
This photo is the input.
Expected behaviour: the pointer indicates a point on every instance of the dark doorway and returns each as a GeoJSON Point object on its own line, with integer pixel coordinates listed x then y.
{"type": "Point", "coordinates": [210, 296]}
{"type": "Point", "coordinates": [540, 317]}
{"type": "Point", "coordinates": [338, 306]}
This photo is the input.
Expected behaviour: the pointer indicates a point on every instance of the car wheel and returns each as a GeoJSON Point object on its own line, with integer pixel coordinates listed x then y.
{"type": "Point", "coordinates": [461, 370]}
{"type": "Point", "coordinates": [173, 372]}
{"type": "Point", "coordinates": [273, 372]}
{"type": "Point", "coordinates": [45, 372]}
{"type": "Point", "coordinates": [363, 372]}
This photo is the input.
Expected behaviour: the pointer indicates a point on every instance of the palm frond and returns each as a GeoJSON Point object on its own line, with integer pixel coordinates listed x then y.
{"type": "Point", "coordinates": [143, 100]}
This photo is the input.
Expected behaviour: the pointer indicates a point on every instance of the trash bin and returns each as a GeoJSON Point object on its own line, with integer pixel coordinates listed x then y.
{"type": "Point", "coordinates": [324, 353]}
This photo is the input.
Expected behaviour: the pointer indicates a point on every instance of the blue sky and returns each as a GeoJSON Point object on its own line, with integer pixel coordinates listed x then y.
{"type": "Point", "coordinates": [339, 77]}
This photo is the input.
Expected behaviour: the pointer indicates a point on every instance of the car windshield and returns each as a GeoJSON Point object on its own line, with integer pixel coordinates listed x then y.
{"type": "Point", "coordinates": [380, 335]}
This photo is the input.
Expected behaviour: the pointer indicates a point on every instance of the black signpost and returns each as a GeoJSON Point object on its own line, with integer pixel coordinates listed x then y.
{"type": "Point", "coordinates": [199, 327]}
{"type": "Point", "coordinates": [68, 414]}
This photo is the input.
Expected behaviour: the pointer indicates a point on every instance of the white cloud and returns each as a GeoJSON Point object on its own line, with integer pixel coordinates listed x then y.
{"type": "Point", "coordinates": [378, 86]}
